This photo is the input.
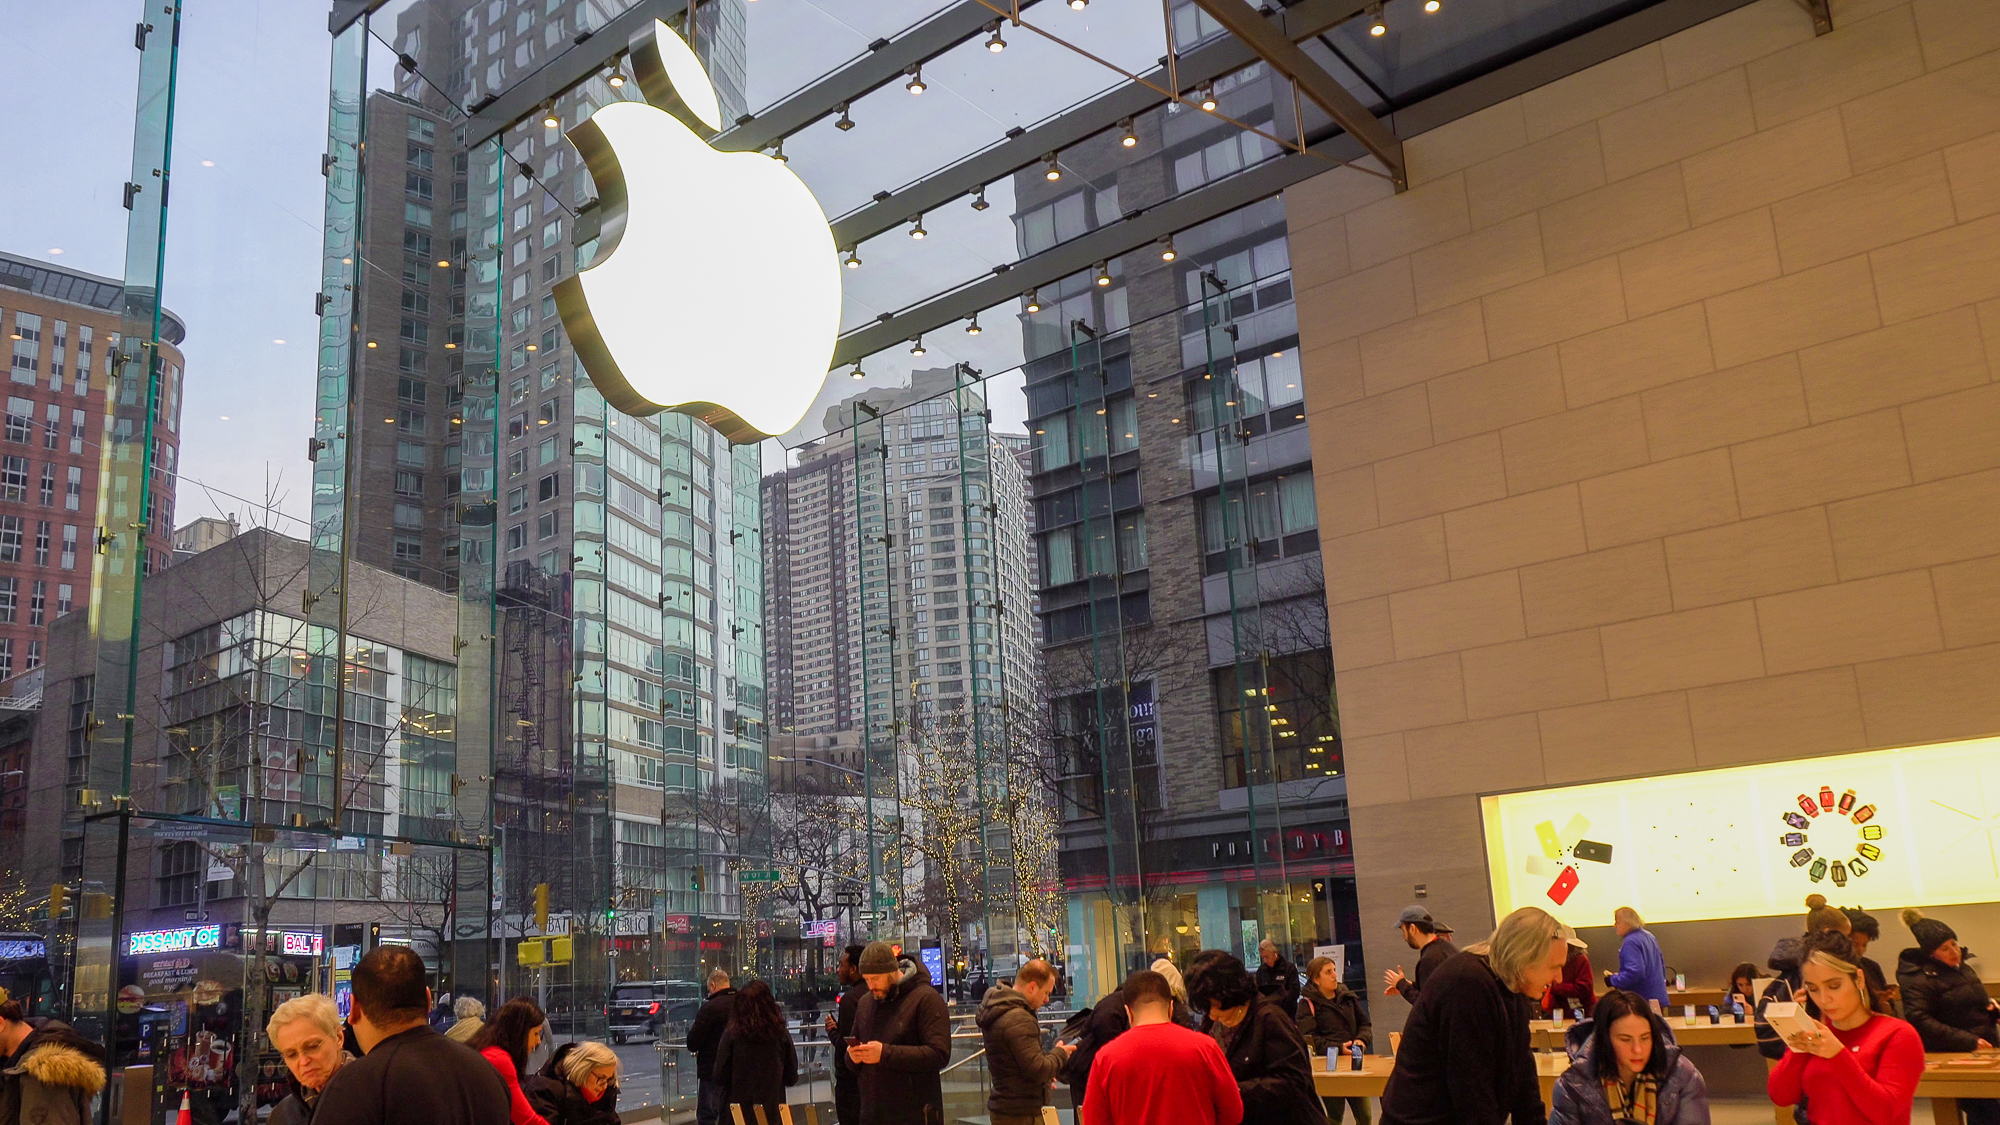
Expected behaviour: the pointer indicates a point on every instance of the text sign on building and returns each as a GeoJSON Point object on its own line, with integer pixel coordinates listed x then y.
{"type": "Point", "coordinates": [1920, 824]}
{"type": "Point", "coordinates": [298, 944]}
{"type": "Point", "coordinates": [173, 941]}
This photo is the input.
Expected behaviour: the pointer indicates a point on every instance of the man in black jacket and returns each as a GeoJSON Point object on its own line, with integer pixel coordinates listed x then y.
{"type": "Point", "coordinates": [1425, 934]}
{"type": "Point", "coordinates": [1259, 1038]}
{"type": "Point", "coordinates": [1466, 1056]}
{"type": "Point", "coordinates": [840, 1025]}
{"type": "Point", "coordinates": [410, 1075]}
{"type": "Point", "coordinates": [905, 1033]}
{"type": "Point", "coordinates": [704, 1037]}
{"type": "Point", "coordinates": [1276, 978]}
{"type": "Point", "coordinates": [1021, 1071]}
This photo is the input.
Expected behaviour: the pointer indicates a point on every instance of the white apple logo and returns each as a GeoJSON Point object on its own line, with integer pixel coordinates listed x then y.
{"type": "Point", "coordinates": [715, 290]}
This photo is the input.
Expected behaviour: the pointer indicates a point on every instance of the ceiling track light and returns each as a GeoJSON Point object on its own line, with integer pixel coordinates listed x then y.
{"type": "Point", "coordinates": [617, 79]}
{"type": "Point", "coordinates": [845, 123]}
{"type": "Point", "coordinates": [916, 83]}
{"type": "Point", "coordinates": [994, 43]}
{"type": "Point", "coordinates": [979, 199]}
{"type": "Point", "coordinates": [917, 345]}
{"type": "Point", "coordinates": [857, 373]}
{"type": "Point", "coordinates": [1034, 301]}
{"type": "Point", "coordinates": [1167, 252]}
{"type": "Point", "coordinates": [1078, 5]}
{"type": "Point", "coordinates": [917, 231]}
{"type": "Point", "coordinates": [1376, 26]}
{"type": "Point", "coordinates": [853, 261]}
{"type": "Point", "coordinates": [1103, 275]}
{"type": "Point", "coordinates": [1127, 136]}
{"type": "Point", "coordinates": [1206, 93]}
{"type": "Point", "coordinates": [549, 118]}
{"type": "Point", "coordinates": [1432, 5]}
{"type": "Point", "coordinates": [778, 152]}
{"type": "Point", "coordinates": [972, 328]}
{"type": "Point", "coordinates": [1052, 172]}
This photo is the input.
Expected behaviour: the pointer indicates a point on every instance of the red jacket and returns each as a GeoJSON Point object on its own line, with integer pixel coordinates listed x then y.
{"type": "Point", "coordinates": [1575, 987]}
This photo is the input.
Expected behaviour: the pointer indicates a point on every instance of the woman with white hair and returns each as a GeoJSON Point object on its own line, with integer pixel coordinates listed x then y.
{"type": "Point", "coordinates": [305, 1031]}
{"type": "Point", "coordinates": [471, 1016]}
{"type": "Point", "coordinates": [1466, 1056]}
{"type": "Point", "coordinates": [577, 1086]}
{"type": "Point", "coordinates": [1183, 1014]}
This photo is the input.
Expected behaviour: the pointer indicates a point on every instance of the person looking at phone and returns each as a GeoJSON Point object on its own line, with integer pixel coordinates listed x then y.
{"type": "Point", "coordinates": [1642, 968]}
{"type": "Point", "coordinates": [901, 1041]}
{"type": "Point", "coordinates": [1422, 933]}
{"type": "Point", "coordinates": [840, 1025]}
{"type": "Point", "coordinates": [1857, 1067]}
{"type": "Point", "coordinates": [1020, 1070]}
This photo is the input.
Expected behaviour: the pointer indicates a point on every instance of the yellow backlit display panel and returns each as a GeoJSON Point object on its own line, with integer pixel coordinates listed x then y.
{"type": "Point", "coordinates": [1886, 828]}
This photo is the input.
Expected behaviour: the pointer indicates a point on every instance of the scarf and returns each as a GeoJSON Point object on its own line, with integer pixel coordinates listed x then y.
{"type": "Point", "coordinates": [1636, 1103]}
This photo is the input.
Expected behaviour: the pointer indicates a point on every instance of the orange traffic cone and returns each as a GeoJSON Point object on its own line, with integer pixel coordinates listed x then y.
{"type": "Point", "coordinates": [187, 1111]}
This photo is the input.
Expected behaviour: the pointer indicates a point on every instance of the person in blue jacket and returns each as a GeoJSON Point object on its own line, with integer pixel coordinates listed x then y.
{"type": "Point", "coordinates": [1625, 1066]}
{"type": "Point", "coordinates": [1641, 967]}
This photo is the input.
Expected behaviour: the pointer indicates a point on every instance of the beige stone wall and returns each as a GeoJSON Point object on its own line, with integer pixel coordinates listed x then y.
{"type": "Point", "coordinates": [1656, 426]}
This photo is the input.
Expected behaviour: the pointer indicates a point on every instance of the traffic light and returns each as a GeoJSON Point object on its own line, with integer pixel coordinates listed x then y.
{"type": "Point", "coordinates": [700, 878]}
{"type": "Point", "coordinates": [96, 904]}
{"type": "Point", "coordinates": [542, 907]}
{"type": "Point", "coordinates": [559, 951]}
{"type": "Point", "coordinates": [58, 900]}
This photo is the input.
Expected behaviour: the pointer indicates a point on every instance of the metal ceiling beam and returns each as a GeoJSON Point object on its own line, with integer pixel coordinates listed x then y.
{"type": "Point", "coordinates": [1107, 242]}
{"type": "Point", "coordinates": [1273, 43]}
{"type": "Point", "coordinates": [588, 55]}
{"type": "Point", "coordinates": [1203, 64]}
{"type": "Point", "coordinates": [886, 61]}
{"type": "Point", "coordinates": [1138, 231]}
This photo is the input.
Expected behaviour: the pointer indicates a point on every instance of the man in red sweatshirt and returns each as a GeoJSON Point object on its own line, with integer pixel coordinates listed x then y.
{"type": "Point", "coordinates": [1159, 1073]}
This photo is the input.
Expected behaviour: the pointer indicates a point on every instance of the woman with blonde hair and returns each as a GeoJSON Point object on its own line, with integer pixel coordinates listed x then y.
{"type": "Point", "coordinates": [1183, 1014]}
{"type": "Point", "coordinates": [1466, 1056]}
{"type": "Point", "coordinates": [305, 1031]}
{"type": "Point", "coordinates": [1855, 1066]}
{"type": "Point", "coordinates": [577, 1086]}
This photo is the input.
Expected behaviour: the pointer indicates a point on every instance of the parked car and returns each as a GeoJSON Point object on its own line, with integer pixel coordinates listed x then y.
{"type": "Point", "coordinates": [640, 1008]}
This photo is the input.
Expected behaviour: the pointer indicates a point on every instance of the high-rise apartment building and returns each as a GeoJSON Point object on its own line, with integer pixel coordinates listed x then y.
{"type": "Point", "coordinates": [625, 551]}
{"type": "Point", "coordinates": [1191, 699]}
{"type": "Point", "coordinates": [957, 587]}
{"type": "Point", "coordinates": [62, 331]}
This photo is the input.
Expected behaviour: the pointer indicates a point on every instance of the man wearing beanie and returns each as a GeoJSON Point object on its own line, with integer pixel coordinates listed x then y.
{"type": "Point", "coordinates": [905, 1041]}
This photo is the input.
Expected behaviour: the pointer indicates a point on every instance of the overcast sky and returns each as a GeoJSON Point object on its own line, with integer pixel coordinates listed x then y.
{"type": "Point", "coordinates": [250, 124]}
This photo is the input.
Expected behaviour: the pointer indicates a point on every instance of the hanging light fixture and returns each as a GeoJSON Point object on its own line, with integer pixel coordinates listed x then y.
{"type": "Point", "coordinates": [916, 83]}
{"type": "Point", "coordinates": [845, 123]}
{"type": "Point", "coordinates": [1207, 95]}
{"type": "Point", "coordinates": [1432, 5]}
{"type": "Point", "coordinates": [1034, 301]}
{"type": "Point", "coordinates": [778, 152]}
{"type": "Point", "coordinates": [1052, 172]}
{"type": "Point", "coordinates": [1103, 275]}
{"type": "Point", "coordinates": [1078, 5]}
{"type": "Point", "coordinates": [1376, 26]}
{"type": "Point", "coordinates": [853, 259]}
{"type": "Point", "coordinates": [857, 373]}
{"type": "Point", "coordinates": [549, 118]}
{"type": "Point", "coordinates": [1127, 136]}
{"type": "Point", "coordinates": [917, 231]}
{"type": "Point", "coordinates": [972, 328]}
{"type": "Point", "coordinates": [617, 79]}
{"type": "Point", "coordinates": [994, 43]}
{"type": "Point", "coordinates": [979, 199]}
{"type": "Point", "coordinates": [1167, 253]}
{"type": "Point", "coordinates": [917, 345]}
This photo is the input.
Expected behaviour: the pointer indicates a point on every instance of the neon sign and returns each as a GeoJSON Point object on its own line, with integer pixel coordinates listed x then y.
{"type": "Point", "coordinates": [174, 941]}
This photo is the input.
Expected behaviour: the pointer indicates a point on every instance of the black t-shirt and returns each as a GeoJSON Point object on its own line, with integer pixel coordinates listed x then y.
{"type": "Point", "coordinates": [415, 1077]}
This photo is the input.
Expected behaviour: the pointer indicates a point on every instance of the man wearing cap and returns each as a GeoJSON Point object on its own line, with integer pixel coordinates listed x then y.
{"type": "Point", "coordinates": [904, 1033]}
{"type": "Point", "coordinates": [1426, 935]}
{"type": "Point", "coordinates": [1575, 988]}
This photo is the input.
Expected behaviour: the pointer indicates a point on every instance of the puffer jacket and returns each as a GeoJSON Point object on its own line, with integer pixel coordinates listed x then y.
{"type": "Point", "coordinates": [1332, 1023]}
{"type": "Point", "coordinates": [51, 1078]}
{"type": "Point", "coordinates": [1580, 1097]}
{"type": "Point", "coordinates": [562, 1103]}
{"type": "Point", "coordinates": [1273, 1071]}
{"type": "Point", "coordinates": [1020, 1070]}
{"type": "Point", "coordinates": [914, 1027]}
{"type": "Point", "coordinates": [1948, 1007]}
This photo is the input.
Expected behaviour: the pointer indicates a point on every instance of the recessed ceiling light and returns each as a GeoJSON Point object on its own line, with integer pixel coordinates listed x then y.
{"type": "Point", "coordinates": [208, 163]}
{"type": "Point", "coordinates": [55, 249]}
{"type": "Point", "coordinates": [277, 341]}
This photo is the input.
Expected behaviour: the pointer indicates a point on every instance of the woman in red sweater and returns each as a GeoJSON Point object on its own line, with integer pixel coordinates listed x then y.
{"type": "Point", "coordinates": [1856, 1068]}
{"type": "Point", "coordinates": [506, 1041]}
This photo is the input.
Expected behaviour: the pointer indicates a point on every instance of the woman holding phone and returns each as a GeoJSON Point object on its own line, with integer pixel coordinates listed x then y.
{"type": "Point", "coordinates": [1856, 1067]}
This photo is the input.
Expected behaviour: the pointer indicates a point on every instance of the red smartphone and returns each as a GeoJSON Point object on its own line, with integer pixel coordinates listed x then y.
{"type": "Point", "coordinates": [1564, 884]}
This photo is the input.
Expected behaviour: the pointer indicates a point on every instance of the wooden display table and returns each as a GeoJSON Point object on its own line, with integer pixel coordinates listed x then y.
{"type": "Point", "coordinates": [1701, 998]}
{"type": "Point", "coordinates": [1548, 1037]}
{"type": "Point", "coordinates": [1373, 1077]}
{"type": "Point", "coordinates": [1946, 1079]}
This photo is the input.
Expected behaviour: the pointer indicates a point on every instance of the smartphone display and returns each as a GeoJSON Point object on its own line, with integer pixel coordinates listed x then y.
{"type": "Point", "coordinates": [1551, 843]}
{"type": "Point", "coordinates": [1574, 830]}
{"type": "Point", "coordinates": [1543, 866]}
{"type": "Point", "coordinates": [1565, 883]}
{"type": "Point", "coordinates": [1592, 851]}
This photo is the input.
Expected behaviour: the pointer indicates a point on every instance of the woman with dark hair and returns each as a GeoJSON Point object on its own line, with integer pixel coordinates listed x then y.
{"type": "Point", "coordinates": [1865, 931]}
{"type": "Point", "coordinates": [506, 1041]}
{"type": "Point", "coordinates": [756, 1059]}
{"type": "Point", "coordinates": [1625, 1066]}
{"type": "Point", "coordinates": [1260, 1039]}
{"type": "Point", "coordinates": [1743, 986]}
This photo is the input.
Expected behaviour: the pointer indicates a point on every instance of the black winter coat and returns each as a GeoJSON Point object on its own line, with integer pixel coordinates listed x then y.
{"type": "Point", "coordinates": [1273, 1071]}
{"type": "Point", "coordinates": [1332, 1023]}
{"type": "Point", "coordinates": [1466, 1057]}
{"type": "Point", "coordinates": [1435, 954]}
{"type": "Point", "coordinates": [562, 1103]}
{"type": "Point", "coordinates": [1948, 1007]}
{"type": "Point", "coordinates": [1098, 1025]}
{"type": "Point", "coordinates": [843, 1026]}
{"type": "Point", "coordinates": [705, 1033]}
{"type": "Point", "coordinates": [755, 1073]}
{"type": "Point", "coordinates": [914, 1027]}
{"type": "Point", "coordinates": [1280, 982]}
{"type": "Point", "coordinates": [1020, 1070]}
